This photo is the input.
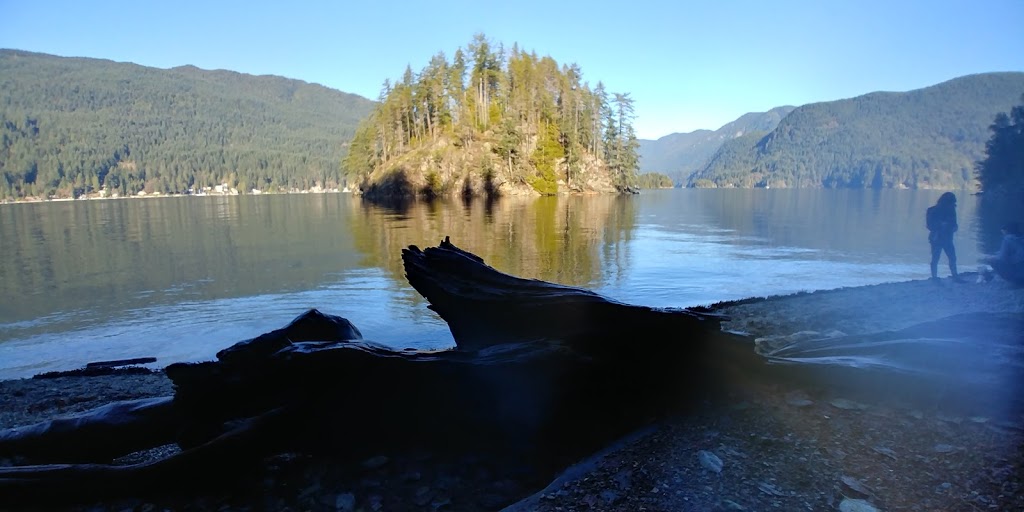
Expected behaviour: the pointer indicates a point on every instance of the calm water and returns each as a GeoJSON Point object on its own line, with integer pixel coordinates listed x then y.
{"type": "Point", "coordinates": [181, 278]}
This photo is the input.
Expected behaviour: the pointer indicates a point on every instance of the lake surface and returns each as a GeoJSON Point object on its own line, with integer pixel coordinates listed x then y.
{"type": "Point", "coordinates": [181, 278]}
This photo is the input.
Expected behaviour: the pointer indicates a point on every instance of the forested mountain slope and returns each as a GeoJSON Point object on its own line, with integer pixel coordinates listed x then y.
{"type": "Point", "coordinates": [681, 154]}
{"type": "Point", "coordinates": [75, 125]}
{"type": "Point", "coordinates": [925, 138]}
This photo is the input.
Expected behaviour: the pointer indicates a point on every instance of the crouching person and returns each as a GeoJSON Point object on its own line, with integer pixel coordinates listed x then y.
{"type": "Point", "coordinates": [1009, 261]}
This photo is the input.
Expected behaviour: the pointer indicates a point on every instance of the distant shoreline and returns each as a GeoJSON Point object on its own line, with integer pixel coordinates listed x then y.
{"type": "Point", "coordinates": [36, 200]}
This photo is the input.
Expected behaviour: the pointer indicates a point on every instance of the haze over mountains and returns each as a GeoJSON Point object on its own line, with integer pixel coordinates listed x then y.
{"type": "Point", "coordinates": [925, 138]}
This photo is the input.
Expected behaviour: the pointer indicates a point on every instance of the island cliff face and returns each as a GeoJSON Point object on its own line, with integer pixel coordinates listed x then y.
{"type": "Point", "coordinates": [443, 170]}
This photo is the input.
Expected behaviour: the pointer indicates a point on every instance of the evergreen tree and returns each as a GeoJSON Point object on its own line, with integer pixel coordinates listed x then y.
{"type": "Point", "coordinates": [538, 119]}
{"type": "Point", "coordinates": [1002, 170]}
{"type": "Point", "coordinates": [1001, 176]}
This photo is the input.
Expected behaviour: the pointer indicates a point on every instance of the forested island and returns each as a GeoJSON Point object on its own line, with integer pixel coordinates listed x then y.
{"type": "Point", "coordinates": [491, 121]}
{"type": "Point", "coordinates": [75, 126]}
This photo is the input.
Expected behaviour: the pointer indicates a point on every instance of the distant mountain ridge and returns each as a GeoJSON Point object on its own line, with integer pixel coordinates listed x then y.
{"type": "Point", "coordinates": [680, 154]}
{"type": "Point", "coordinates": [925, 138]}
{"type": "Point", "coordinates": [75, 126]}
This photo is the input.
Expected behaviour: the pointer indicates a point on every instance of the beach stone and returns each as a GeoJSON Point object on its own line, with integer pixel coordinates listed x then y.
{"type": "Point", "coordinates": [886, 451]}
{"type": "Point", "coordinates": [855, 486]}
{"type": "Point", "coordinates": [728, 505]}
{"type": "Point", "coordinates": [851, 505]}
{"type": "Point", "coordinates": [798, 399]}
{"type": "Point", "coordinates": [799, 402]}
{"type": "Point", "coordinates": [771, 489]}
{"type": "Point", "coordinates": [710, 461]}
{"type": "Point", "coordinates": [944, 448]}
{"type": "Point", "coordinates": [345, 502]}
{"type": "Point", "coordinates": [847, 405]}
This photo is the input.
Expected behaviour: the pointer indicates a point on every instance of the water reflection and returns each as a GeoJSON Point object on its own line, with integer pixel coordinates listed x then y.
{"type": "Point", "coordinates": [562, 239]}
{"type": "Point", "coordinates": [183, 277]}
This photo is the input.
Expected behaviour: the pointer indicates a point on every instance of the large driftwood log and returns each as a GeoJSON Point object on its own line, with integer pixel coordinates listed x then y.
{"type": "Point", "coordinates": [484, 307]}
{"type": "Point", "coordinates": [542, 372]}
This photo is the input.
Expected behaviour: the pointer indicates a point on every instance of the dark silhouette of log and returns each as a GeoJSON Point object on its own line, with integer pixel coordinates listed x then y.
{"type": "Point", "coordinates": [196, 469]}
{"type": "Point", "coordinates": [99, 435]}
{"type": "Point", "coordinates": [485, 307]}
{"type": "Point", "coordinates": [543, 373]}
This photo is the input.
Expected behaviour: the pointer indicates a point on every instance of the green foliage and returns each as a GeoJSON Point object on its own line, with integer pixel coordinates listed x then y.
{"type": "Point", "coordinates": [650, 180]}
{"type": "Point", "coordinates": [489, 177]}
{"type": "Point", "coordinates": [510, 144]}
{"type": "Point", "coordinates": [69, 126]}
{"type": "Point", "coordinates": [1001, 175]}
{"type": "Point", "coordinates": [1002, 170]}
{"type": "Point", "coordinates": [732, 164]}
{"type": "Point", "coordinates": [927, 138]}
{"type": "Point", "coordinates": [539, 119]}
{"type": "Point", "coordinates": [358, 163]}
{"type": "Point", "coordinates": [548, 152]}
{"type": "Point", "coordinates": [680, 155]}
{"type": "Point", "coordinates": [434, 186]}
{"type": "Point", "coordinates": [621, 145]}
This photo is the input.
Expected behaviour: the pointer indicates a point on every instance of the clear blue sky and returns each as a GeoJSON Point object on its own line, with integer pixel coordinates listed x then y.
{"type": "Point", "coordinates": [688, 65]}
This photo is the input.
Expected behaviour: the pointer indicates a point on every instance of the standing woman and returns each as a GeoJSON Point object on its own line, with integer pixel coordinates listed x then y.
{"type": "Point", "coordinates": [941, 222]}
